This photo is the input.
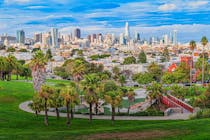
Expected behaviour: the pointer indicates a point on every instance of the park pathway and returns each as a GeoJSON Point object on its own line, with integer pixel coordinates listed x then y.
{"type": "Point", "coordinates": [24, 106]}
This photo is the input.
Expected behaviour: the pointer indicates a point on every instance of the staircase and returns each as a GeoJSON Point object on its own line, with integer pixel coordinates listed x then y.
{"type": "Point", "coordinates": [173, 102]}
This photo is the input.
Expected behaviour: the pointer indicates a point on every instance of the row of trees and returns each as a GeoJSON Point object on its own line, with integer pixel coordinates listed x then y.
{"type": "Point", "coordinates": [93, 90]}
{"type": "Point", "coordinates": [10, 65]}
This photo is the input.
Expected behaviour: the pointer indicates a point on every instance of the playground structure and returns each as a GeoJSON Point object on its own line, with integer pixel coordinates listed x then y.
{"type": "Point", "coordinates": [173, 102]}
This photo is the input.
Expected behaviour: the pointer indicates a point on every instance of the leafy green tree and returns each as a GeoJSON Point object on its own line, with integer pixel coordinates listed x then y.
{"type": "Point", "coordinates": [143, 78]}
{"type": "Point", "coordinates": [168, 78]}
{"type": "Point", "coordinates": [11, 49]}
{"type": "Point", "coordinates": [130, 60]}
{"type": "Point", "coordinates": [181, 73]}
{"type": "Point", "coordinates": [49, 54]}
{"type": "Point", "coordinates": [155, 70]}
{"type": "Point", "coordinates": [23, 50]}
{"type": "Point", "coordinates": [26, 72]}
{"type": "Point", "coordinates": [122, 80]}
{"type": "Point", "coordinates": [166, 55]}
{"type": "Point", "coordinates": [178, 91]}
{"type": "Point", "coordinates": [142, 57]}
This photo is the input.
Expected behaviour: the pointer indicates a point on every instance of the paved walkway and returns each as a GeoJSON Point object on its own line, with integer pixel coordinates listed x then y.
{"type": "Point", "coordinates": [24, 106]}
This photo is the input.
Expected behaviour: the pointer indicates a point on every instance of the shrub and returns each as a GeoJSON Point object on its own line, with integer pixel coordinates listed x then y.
{"type": "Point", "coordinates": [204, 113]}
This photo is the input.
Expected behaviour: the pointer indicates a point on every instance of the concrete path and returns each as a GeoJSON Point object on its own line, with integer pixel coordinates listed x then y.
{"type": "Point", "coordinates": [24, 106]}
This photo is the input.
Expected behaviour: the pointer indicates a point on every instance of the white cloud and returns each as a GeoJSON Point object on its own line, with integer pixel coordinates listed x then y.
{"type": "Point", "coordinates": [167, 7]}
{"type": "Point", "coordinates": [37, 7]}
{"type": "Point", "coordinates": [197, 4]}
{"type": "Point", "coordinates": [16, 1]}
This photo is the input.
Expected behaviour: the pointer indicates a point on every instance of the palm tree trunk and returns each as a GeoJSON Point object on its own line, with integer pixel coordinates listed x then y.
{"type": "Point", "coordinates": [191, 65]}
{"type": "Point", "coordinates": [113, 114]}
{"type": "Point", "coordinates": [17, 77]}
{"type": "Point", "coordinates": [203, 68]}
{"type": "Point", "coordinates": [128, 108]}
{"type": "Point", "coordinates": [46, 115]}
{"type": "Point", "coordinates": [36, 112]}
{"type": "Point", "coordinates": [68, 115]}
{"type": "Point", "coordinates": [97, 108]}
{"type": "Point", "coordinates": [72, 113]}
{"type": "Point", "coordinates": [90, 112]}
{"type": "Point", "coordinates": [57, 113]}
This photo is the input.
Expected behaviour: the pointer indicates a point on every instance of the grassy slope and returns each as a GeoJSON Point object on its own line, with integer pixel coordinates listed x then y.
{"type": "Point", "coordinates": [16, 124]}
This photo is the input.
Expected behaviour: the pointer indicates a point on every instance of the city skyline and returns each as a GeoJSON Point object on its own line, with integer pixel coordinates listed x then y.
{"type": "Point", "coordinates": [149, 18]}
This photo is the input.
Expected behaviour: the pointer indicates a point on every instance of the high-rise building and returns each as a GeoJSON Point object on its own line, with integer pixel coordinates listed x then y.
{"type": "Point", "coordinates": [77, 33]}
{"type": "Point", "coordinates": [165, 39]}
{"type": "Point", "coordinates": [93, 38]}
{"type": "Point", "coordinates": [54, 35]}
{"type": "Point", "coordinates": [137, 36]}
{"type": "Point", "coordinates": [46, 39]}
{"type": "Point", "coordinates": [38, 37]}
{"type": "Point", "coordinates": [122, 39]}
{"type": "Point", "coordinates": [127, 31]}
{"type": "Point", "coordinates": [21, 37]}
{"type": "Point", "coordinates": [174, 37]}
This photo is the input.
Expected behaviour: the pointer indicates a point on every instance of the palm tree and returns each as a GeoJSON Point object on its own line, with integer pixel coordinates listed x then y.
{"type": "Point", "coordinates": [192, 48]}
{"type": "Point", "coordinates": [37, 66]}
{"type": "Point", "coordinates": [131, 97]}
{"type": "Point", "coordinates": [12, 62]}
{"type": "Point", "coordinates": [56, 101]}
{"type": "Point", "coordinates": [90, 97]}
{"type": "Point", "coordinates": [3, 67]}
{"type": "Point", "coordinates": [204, 42]}
{"type": "Point", "coordinates": [114, 98]}
{"type": "Point", "coordinates": [93, 89]}
{"type": "Point", "coordinates": [155, 92]}
{"type": "Point", "coordinates": [70, 96]}
{"type": "Point", "coordinates": [76, 69]}
{"type": "Point", "coordinates": [37, 104]}
{"type": "Point", "coordinates": [45, 93]}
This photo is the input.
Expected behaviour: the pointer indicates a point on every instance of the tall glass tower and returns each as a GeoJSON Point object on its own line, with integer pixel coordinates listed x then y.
{"type": "Point", "coordinates": [20, 36]}
{"type": "Point", "coordinates": [127, 31]}
{"type": "Point", "coordinates": [54, 35]}
{"type": "Point", "coordinates": [174, 37]}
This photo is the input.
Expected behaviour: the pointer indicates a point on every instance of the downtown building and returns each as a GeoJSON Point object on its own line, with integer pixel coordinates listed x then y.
{"type": "Point", "coordinates": [20, 37]}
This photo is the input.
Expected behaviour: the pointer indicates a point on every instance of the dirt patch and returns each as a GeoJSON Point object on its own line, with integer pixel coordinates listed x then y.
{"type": "Point", "coordinates": [131, 135]}
{"type": "Point", "coordinates": [7, 99]}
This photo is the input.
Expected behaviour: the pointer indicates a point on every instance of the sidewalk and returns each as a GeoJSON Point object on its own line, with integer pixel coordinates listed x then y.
{"type": "Point", "coordinates": [24, 106]}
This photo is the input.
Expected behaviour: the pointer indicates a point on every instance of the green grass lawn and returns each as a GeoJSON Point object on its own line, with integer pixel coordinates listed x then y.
{"type": "Point", "coordinates": [16, 124]}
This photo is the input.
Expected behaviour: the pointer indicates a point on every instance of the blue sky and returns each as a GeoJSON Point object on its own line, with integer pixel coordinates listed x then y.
{"type": "Point", "coordinates": [149, 17]}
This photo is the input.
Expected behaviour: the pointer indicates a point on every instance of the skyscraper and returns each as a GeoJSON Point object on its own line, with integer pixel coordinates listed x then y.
{"type": "Point", "coordinates": [21, 37]}
{"type": "Point", "coordinates": [174, 37]}
{"type": "Point", "coordinates": [37, 37]}
{"type": "Point", "coordinates": [77, 33]}
{"type": "Point", "coordinates": [127, 31]}
{"type": "Point", "coordinates": [137, 36]}
{"type": "Point", "coordinates": [122, 39]}
{"type": "Point", "coordinates": [54, 35]}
